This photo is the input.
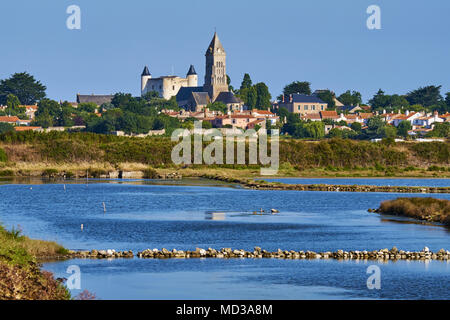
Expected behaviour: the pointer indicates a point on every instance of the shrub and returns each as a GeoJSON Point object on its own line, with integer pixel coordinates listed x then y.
{"type": "Point", "coordinates": [3, 155]}
{"type": "Point", "coordinates": [150, 173]}
{"type": "Point", "coordinates": [432, 209]}
{"type": "Point", "coordinates": [6, 173]}
{"type": "Point", "coordinates": [50, 173]}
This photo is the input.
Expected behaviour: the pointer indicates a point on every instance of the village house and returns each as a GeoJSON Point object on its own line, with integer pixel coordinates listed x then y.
{"type": "Point", "coordinates": [426, 121]}
{"type": "Point", "coordinates": [365, 116]}
{"type": "Point", "coordinates": [322, 115]}
{"type": "Point", "coordinates": [30, 110]}
{"type": "Point", "coordinates": [302, 104]}
{"type": "Point", "coordinates": [408, 116]}
{"type": "Point", "coordinates": [238, 121]}
{"type": "Point", "coordinates": [13, 120]}
{"type": "Point", "coordinates": [351, 109]}
{"type": "Point", "coordinates": [265, 115]}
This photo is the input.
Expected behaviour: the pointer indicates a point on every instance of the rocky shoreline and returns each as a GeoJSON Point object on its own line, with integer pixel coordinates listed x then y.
{"type": "Point", "coordinates": [258, 253]}
{"type": "Point", "coordinates": [264, 185]}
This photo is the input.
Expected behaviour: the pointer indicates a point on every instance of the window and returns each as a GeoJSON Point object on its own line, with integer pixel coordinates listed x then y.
{"type": "Point", "coordinates": [322, 107]}
{"type": "Point", "coordinates": [306, 107]}
{"type": "Point", "coordinates": [313, 107]}
{"type": "Point", "coordinates": [173, 87]}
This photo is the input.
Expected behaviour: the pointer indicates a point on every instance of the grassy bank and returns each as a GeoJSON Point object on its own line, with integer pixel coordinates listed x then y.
{"type": "Point", "coordinates": [20, 274]}
{"type": "Point", "coordinates": [425, 209]}
{"type": "Point", "coordinates": [31, 153]}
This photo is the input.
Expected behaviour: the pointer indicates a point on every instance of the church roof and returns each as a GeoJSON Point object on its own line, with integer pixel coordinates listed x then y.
{"type": "Point", "coordinates": [227, 97]}
{"type": "Point", "coordinates": [185, 93]}
{"type": "Point", "coordinates": [215, 45]}
{"type": "Point", "coordinates": [146, 72]}
{"type": "Point", "coordinates": [201, 98]}
{"type": "Point", "coordinates": [191, 70]}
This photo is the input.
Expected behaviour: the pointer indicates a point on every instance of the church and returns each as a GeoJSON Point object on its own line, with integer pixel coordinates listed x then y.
{"type": "Point", "coordinates": [189, 95]}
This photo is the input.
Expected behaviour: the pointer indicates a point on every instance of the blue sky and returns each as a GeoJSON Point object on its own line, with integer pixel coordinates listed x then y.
{"type": "Point", "coordinates": [325, 42]}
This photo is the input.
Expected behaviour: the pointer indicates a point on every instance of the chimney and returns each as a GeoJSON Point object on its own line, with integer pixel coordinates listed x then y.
{"type": "Point", "coordinates": [384, 111]}
{"type": "Point", "coordinates": [290, 98]}
{"type": "Point", "coordinates": [407, 112]}
{"type": "Point", "coordinates": [282, 99]}
{"type": "Point", "coordinates": [436, 116]}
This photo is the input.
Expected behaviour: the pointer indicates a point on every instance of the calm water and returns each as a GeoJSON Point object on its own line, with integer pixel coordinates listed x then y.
{"type": "Point", "coordinates": [141, 215]}
{"type": "Point", "coordinates": [406, 182]}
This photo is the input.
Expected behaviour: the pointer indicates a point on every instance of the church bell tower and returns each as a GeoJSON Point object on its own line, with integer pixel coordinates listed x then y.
{"type": "Point", "coordinates": [216, 71]}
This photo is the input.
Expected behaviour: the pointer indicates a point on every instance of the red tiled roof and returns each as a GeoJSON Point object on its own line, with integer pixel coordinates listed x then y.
{"type": "Point", "coordinates": [329, 115]}
{"type": "Point", "coordinates": [9, 119]}
{"type": "Point", "coordinates": [262, 112]}
{"type": "Point", "coordinates": [312, 116]}
{"type": "Point", "coordinates": [365, 115]}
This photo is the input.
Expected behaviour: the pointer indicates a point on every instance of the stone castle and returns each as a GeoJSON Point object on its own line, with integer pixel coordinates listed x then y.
{"type": "Point", "coordinates": [188, 94]}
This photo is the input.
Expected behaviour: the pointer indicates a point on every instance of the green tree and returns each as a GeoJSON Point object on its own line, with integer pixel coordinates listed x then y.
{"type": "Point", "coordinates": [252, 97]}
{"type": "Point", "coordinates": [12, 101]}
{"type": "Point", "coordinates": [315, 129]}
{"type": "Point", "coordinates": [389, 132]}
{"type": "Point", "coordinates": [403, 128]}
{"type": "Point", "coordinates": [301, 87]}
{"type": "Point", "coordinates": [426, 96]}
{"type": "Point", "coordinates": [328, 97]}
{"type": "Point", "coordinates": [5, 127]}
{"type": "Point", "coordinates": [375, 126]}
{"type": "Point", "coordinates": [447, 99]}
{"type": "Point", "coordinates": [262, 96]}
{"type": "Point", "coordinates": [379, 100]}
{"type": "Point", "coordinates": [150, 95]}
{"type": "Point", "coordinates": [230, 87]}
{"type": "Point", "coordinates": [121, 99]}
{"type": "Point", "coordinates": [65, 118]}
{"type": "Point", "coordinates": [24, 87]}
{"type": "Point", "coordinates": [441, 130]}
{"type": "Point", "coordinates": [13, 108]}
{"type": "Point", "coordinates": [356, 126]}
{"type": "Point", "coordinates": [246, 82]}
{"type": "Point", "coordinates": [218, 106]}
{"type": "Point", "coordinates": [50, 106]}
{"type": "Point", "coordinates": [89, 107]}
{"type": "Point", "coordinates": [350, 98]}
{"type": "Point", "coordinates": [44, 119]}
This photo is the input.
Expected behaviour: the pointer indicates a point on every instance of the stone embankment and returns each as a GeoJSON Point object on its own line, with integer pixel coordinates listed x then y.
{"type": "Point", "coordinates": [264, 185]}
{"type": "Point", "coordinates": [258, 253]}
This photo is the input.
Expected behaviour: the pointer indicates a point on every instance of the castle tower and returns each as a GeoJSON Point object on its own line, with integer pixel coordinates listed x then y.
{"type": "Point", "coordinates": [192, 77]}
{"type": "Point", "coordinates": [215, 72]}
{"type": "Point", "coordinates": [145, 76]}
